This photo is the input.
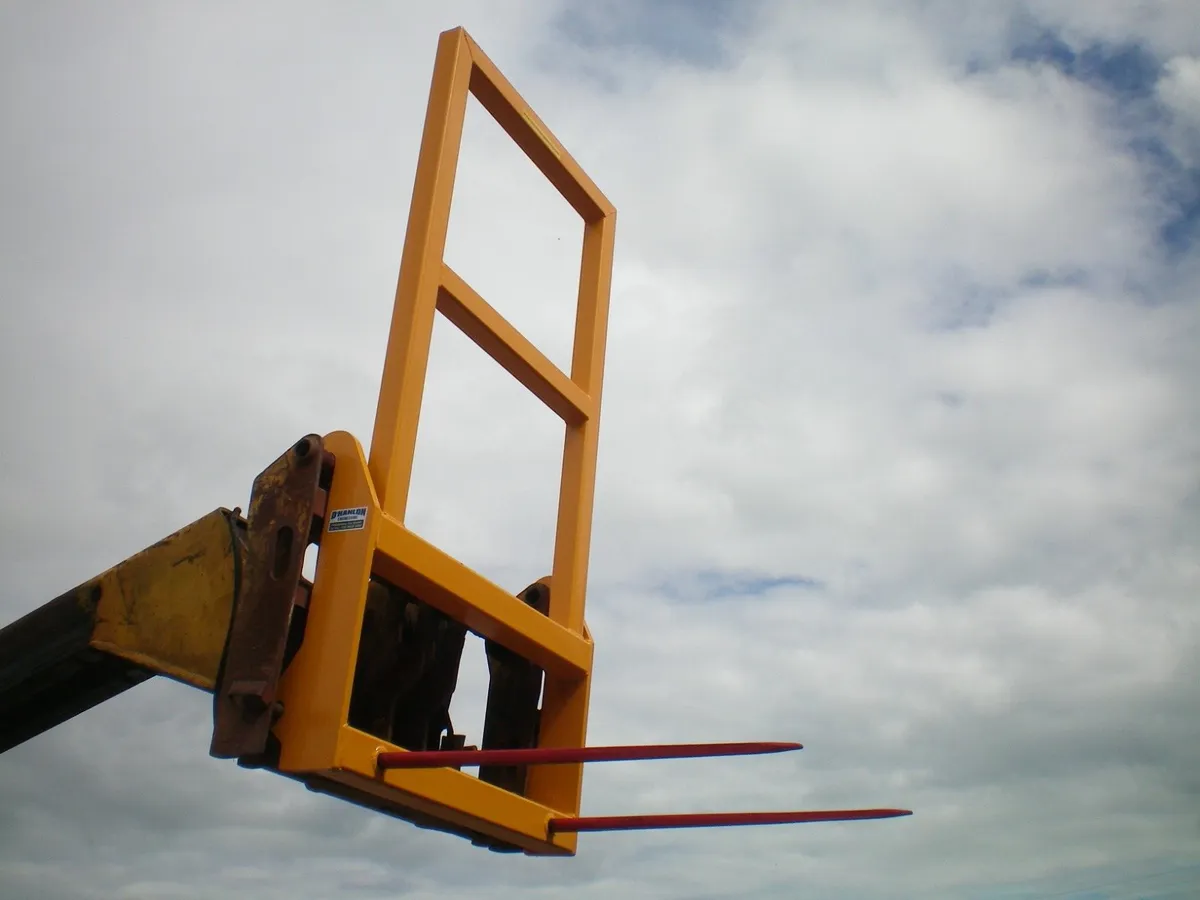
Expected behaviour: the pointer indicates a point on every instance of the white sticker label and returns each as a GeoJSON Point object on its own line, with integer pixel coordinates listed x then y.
{"type": "Point", "coordinates": [348, 519]}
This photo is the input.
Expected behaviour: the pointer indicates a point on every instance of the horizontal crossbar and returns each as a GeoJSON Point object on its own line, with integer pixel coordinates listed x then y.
{"type": "Point", "coordinates": [479, 321]}
{"type": "Point", "coordinates": [415, 565]}
{"type": "Point", "coordinates": [514, 115]}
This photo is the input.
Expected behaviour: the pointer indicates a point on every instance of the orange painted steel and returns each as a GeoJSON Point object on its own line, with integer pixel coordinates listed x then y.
{"type": "Point", "coordinates": [315, 737]}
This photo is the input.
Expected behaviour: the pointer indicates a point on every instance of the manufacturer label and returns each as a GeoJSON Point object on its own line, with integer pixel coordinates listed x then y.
{"type": "Point", "coordinates": [354, 519]}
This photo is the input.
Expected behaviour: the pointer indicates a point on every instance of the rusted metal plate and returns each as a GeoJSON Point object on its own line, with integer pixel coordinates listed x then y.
{"type": "Point", "coordinates": [406, 671]}
{"type": "Point", "coordinates": [280, 527]}
{"type": "Point", "coordinates": [514, 688]}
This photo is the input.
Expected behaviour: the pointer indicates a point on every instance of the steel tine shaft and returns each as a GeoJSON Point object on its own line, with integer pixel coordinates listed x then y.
{"type": "Point", "coordinates": [717, 820]}
{"type": "Point", "coordinates": [426, 759]}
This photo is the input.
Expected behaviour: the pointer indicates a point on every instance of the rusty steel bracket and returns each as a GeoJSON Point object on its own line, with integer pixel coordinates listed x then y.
{"type": "Point", "coordinates": [287, 508]}
{"type": "Point", "coordinates": [407, 670]}
{"type": "Point", "coordinates": [514, 689]}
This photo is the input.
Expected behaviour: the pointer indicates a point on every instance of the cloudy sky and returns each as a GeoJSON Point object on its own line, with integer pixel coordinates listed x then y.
{"type": "Point", "coordinates": [900, 455]}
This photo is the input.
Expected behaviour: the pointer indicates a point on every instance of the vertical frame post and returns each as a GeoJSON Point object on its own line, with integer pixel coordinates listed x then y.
{"type": "Point", "coordinates": [398, 409]}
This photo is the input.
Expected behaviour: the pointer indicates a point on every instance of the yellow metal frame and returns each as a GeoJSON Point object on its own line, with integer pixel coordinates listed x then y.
{"type": "Point", "coordinates": [316, 687]}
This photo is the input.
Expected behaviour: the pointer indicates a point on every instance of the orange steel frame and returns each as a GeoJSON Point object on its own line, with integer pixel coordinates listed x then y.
{"type": "Point", "coordinates": [315, 689]}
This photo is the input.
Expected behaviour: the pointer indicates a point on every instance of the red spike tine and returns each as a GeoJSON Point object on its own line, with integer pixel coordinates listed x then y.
{"type": "Point", "coordinates": [432, 759]}
{"type": "Point", "coordinates": [719, 820]}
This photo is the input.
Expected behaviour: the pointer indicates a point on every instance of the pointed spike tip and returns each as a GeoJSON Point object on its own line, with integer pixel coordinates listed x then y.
{"type": "Point", "coordinates": [780, 746]}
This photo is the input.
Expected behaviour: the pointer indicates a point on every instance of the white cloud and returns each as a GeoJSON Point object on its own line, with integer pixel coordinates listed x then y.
{"type": "Point", "coordinates": [1180, 93]}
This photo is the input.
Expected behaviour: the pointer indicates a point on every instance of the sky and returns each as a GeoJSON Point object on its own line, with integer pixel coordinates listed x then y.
{"type": "Point", "coordinates": [900, 452]}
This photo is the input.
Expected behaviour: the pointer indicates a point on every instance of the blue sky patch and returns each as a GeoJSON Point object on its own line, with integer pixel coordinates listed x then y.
{"type": "Point", "coordinates": [690, 32]}
{"type": "Point", "coordinates": [1128, 73]}
{"type": "Point", "coordinates": [1127, 70]}
{"type": "Point", "coordinates": [711, 585]}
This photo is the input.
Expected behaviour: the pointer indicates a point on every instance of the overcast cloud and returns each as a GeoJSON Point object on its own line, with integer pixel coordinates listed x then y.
{"type": "Point", "coordinates": [900, 454]}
